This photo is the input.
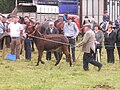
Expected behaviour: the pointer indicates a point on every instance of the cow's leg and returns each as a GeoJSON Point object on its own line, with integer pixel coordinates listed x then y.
{"type": "Point", "coordinates": [67, 53]}
{"type": "Point", "coordinates": [40, 53]}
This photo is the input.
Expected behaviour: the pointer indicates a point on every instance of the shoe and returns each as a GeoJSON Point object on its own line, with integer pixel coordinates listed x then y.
{"type": "Point", "coordinates": [86, 70]}
{"type": "Point", "coordinates": [99, 68]}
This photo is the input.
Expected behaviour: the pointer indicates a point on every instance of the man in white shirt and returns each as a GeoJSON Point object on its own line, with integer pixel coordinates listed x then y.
{"type": "Point", "coordinates": [71, 31]}
{"type": "Point", "coordinates": [15, 30]}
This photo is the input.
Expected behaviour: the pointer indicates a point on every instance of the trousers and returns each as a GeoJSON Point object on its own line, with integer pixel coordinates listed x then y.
{"type": "Point", "coordinates": [27, 47]}
{"type": "Point", "coordinates": [88, 58]}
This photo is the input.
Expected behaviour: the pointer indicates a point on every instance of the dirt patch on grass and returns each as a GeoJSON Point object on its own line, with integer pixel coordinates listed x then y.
{"type": "Point", "coordinates": [104, 87]}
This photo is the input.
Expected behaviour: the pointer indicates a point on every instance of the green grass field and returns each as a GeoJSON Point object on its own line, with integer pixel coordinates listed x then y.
{"type": "Point", "coordinates": [24, 75]}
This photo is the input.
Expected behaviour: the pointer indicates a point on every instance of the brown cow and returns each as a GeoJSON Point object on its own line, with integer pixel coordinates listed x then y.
{"type": "Point", "coordinates": [42, 43]}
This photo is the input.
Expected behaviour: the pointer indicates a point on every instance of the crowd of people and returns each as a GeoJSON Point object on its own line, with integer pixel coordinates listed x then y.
{"type": "Point", "coordinates": [107, 32]}
{"type": "Point", "coordinates": [16, 38]}
{"type": "Point", "coordinates": [94, 35]}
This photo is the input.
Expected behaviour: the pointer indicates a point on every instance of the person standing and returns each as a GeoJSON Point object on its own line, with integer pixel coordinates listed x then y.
{"type": "Point", "coordinates": [8, 39]}
{"type": "Point", "coordinates": [71, 31]}
{"type": "Point", "coordinates": [106, 16]}
{"type": "Point", "coordinates": [51, 30]}
{"type": "Point", "coordinates": [109, 43]}
{"type": "Point", "coordinates": [27, 41]}
{"type": "Point", "coordinates": [1, 32]}
{"type": "Point", "coordinates": [117, 22]}
{"type": "Point", "coordinates": [15, 30]}
{"type": "Point", "coordinates": [118, 42]}
{"type": "Point", "coordinates": [99, 38]}
{"type": "Point", "coordinates": [93, 23]}
{"type": "Point", "coordinates": [88, 47]}
{"type": "Point", "coordinates": [65, 17]}
{"type": "Point", "coordinates": [86, 21]}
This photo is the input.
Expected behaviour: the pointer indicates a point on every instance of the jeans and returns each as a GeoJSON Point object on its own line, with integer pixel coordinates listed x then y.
{"type": "Point", "coordinates": [72, 43]}
{"type": "Point", "coordinates": [27, 46]}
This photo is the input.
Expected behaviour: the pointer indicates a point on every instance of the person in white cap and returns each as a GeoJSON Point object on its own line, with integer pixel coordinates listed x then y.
{"type": "Point", "coordinates": [51, 30]}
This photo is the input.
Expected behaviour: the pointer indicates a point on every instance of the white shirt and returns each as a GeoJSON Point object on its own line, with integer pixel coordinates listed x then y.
{"type": "Point", "coordinates": [51, 29]}
{"type": "Point", "coordinates": [1, 27]}
{"type": "Point", "coordinates": [15, 29]}
{"type": "Point", "coordinates": [71, 29]}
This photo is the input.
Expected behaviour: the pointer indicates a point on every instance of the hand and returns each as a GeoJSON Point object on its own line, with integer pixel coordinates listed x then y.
{"type": "Point", "coordinates": [78, 45]}
{"type": "Point", "coordinates": [73, 37]}
{"type": "Point", "coordinates": [96, 42]}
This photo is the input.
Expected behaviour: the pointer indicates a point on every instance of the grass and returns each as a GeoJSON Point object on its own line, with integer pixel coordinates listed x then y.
{"type": "Point", "coordinates": [24, 75]}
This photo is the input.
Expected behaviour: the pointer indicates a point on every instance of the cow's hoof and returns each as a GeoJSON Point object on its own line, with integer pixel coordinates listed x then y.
{"type": "Point", "coordinates": [36, 64]}
{"type": "Point", "coordinates": [70, 65]}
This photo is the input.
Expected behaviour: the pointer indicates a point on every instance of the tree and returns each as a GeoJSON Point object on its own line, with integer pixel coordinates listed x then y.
{"type": "Point", "coordinates": [6, 6]}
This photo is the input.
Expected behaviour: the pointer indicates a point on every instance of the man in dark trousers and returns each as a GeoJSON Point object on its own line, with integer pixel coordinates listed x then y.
{"type": "Point", "coordinates": [118, 41]}
{"type": "Point", "coordinates": [71, 31]}
{"type": "Point", "coordinates": [88, 47]}
{"type": "Point", "coordinates": [109, 43]}
{"type": "Point", "coordinates": [51, 30]}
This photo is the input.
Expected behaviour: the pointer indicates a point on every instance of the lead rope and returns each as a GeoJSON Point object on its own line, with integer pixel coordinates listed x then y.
{"type": "Point", "coordinates": [51, 40]}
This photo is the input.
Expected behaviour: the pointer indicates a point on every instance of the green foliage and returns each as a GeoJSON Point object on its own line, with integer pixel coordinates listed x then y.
{"type": "Point", "coordinates": [6, 6]}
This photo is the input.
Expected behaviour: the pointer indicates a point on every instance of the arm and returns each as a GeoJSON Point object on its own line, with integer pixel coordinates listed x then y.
{"type": "Point", "coordinates": [114, 39]}
{"type": "Point", "coordinates": [116, 23]}
{"type": "Point", "coordinates": [85, 40]}
{"type": "Point", "coordinates": [9, 28]}
{"type": "Point", "coordinates": [57, 32]}
{"type": "Point", "coordinates": [101, 37]}
{"type": "Point", "coordinates": [21, 29]}
{"type": "Point", "coordinates": [64, 17]}
{"type": "Point", "coordinates": [76, 29]}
